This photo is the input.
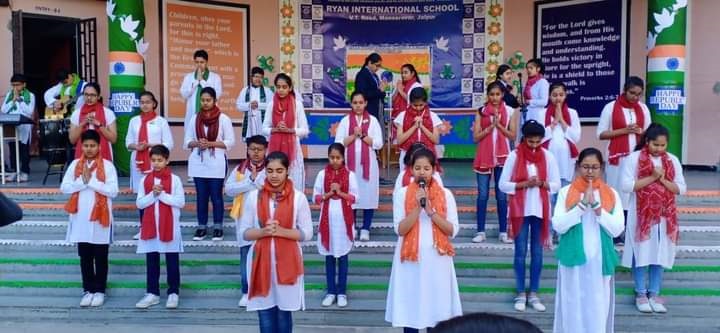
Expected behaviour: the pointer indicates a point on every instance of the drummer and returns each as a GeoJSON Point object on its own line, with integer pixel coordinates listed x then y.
{"type": "Point", "coordinates": [19, 100]}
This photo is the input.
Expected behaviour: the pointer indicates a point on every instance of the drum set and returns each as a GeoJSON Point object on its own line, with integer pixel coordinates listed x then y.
{"type": "Point", "coordinates": [55, 145]}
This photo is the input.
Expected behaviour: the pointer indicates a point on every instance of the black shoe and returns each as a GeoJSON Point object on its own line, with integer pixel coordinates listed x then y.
{"type": "Point", "coordinates": [200, 234]}
{"type": "Point", "coordinates": [217, 235]}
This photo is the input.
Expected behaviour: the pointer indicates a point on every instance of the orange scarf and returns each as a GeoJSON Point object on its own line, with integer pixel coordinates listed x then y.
{"type": "Point", "coordinates": [578, 188]}
{"type": "Point", "coordinates": [100, 211]}
{"type": "Point", "coordinates": [411, 240]}
{"type": "Point", "coordinates": [288, 260]}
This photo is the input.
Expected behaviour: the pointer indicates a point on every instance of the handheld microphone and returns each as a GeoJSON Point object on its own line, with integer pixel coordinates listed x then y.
{"type": "Point", "coordinates": [422, 184]}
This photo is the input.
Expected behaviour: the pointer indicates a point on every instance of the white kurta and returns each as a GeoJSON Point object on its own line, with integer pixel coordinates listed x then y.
{"type": "Point", "coordinates": [210, 165]}
{"type": "Point", "coordinates": [533, 203]}
{"type": "Point", "coordinates": [109, 119]}
{"type": "Point", "coordinates": [540, 93]}
{"type": "Point", "coordinates": [158, 133]}
{"type": "Point", "coordinates": [50, 94]}
{"type": "Point", "coordinates": [422, 293]}
{"type": "Point", "coordinates": [25, 109]}
{"type": "Point", "coordinates": [613, 173]}
{"type": "Point", "coordinates": [585, 298]}
{"type": "Point", "coordinates": [436, 121]}
{"type": "Point", "coordinates": [559, 146]}
{"type": "Point", "coordinates": [368, 190]}
{"type": "Point", "coordinates": [176, 200]}
{"type": "Point", "coordinates": [399, 185]}
{"type": "Point", "coordinates": [233, 188]}
{"type": "Point", "coordinates": [285, 297]}
{"type": "Point", "coordinates": [81, 229]}
{"type": "Point", "coordinates": [255, 117]}
{"type": "Point", "coordinates": [658, 249]}
{"type": "Point", "coordinates": [297, 166]}
{"type": "Point", "coordinates": [340, 244]}
{"type": "Point", "coordinates": [188, 91]}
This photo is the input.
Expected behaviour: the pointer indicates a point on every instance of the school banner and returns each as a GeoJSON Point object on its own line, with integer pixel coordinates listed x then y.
{"type": "Point", "coordinates": [667, 21]}
{"type": "Point", "coordinates": [126, 30]}
{"type": "Point", "coordinates": [583, 43]}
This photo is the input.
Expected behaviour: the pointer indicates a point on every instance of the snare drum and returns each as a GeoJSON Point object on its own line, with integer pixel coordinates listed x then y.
{"type": "Point", "coordinates": [53, 134]}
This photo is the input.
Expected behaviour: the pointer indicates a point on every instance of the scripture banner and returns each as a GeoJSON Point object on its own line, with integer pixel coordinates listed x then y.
{"type": "Point", "coordinates": [667, 21]}
{"type": "Point", "coordinates": [126, 28]}
{"type": "Point", "coordinates": [583, 44]}
{"type": "Point", "coordinates": [220, 29]}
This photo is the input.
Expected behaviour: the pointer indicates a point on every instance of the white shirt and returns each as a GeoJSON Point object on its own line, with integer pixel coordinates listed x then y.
{"type": "Point", "coordinates": [255, 117]}
{"type": "Point", "coordinates": [297, 166]}
{"type": "Point", "coordinates": [54, 91]}
{"type": "Point", "coordinates": [436, 121]}
{"type": "Point", "coordinates": [188, 91]}
{"type": "Point", "coordinates": [533, 202]}
{"type": "Point", "coordinates": [559, 146]}
{"type": "Point", "coordinates": [176, 200]}
{"type": "Point", "coordinates": [109, 119]}
{"type": "Point", "coordinates": [158, 131]}
{"type": "Point", "coordinates": [605, 123]}
{"type": "Point", "coordinates": [496, 133]}
{"type": "Point", "coordinates": [233, 188]}
{"type": "Point", "coordinates": [206, 164]}
{"type": "Point", "coordinates": [340, 244]}
{"type": "Point", "coordinates": [25, 109]}
{"type": "Point", "coordinates": [81, 229]}
{"type": "Point", "coordinates": [540, 93]}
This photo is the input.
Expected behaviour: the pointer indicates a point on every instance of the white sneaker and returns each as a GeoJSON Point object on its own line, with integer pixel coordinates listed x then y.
{"type": "Point", "coordinates": [172, 301]}
{"type": "Point", "coordinates": [23, 177]}
{"type": "Point", "coordinates": [536, 304]}
{"type": "Point", "coordinates": [86, 299]}
{"type": "Point", "coordinates": [243, 301]}
{"type": "Point", "coordinates": [190, 180]}
{"type": "Point", "coordinates": [520, 303]}
{"type": "Point", "coordinates": [10, 176]}
{"type": "Point", "coordinates": [328, 300]}
{"type": "Point", "coordinates": [504, 238]}
{"type": "Point", "coordinates": [137, 236]}
{"type": "Point", "coordinates": [643, 304]}
{"type": "Point", "coordinates": [98, 300]}
{"type": "Point", "coordinates": [479, 237]}
{"type": "Point", "coordinates": [657, 304]}
{"type": "Point", "coordinates": [342, 301]}
{"type": "Point", "coordinates": [364, 235]}
{"type": "Point", "coordinates": [147, 301]}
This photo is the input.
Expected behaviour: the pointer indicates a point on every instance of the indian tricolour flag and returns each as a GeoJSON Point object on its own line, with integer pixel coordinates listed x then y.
{"type": "Point", "coordinates": [666, 58]}
{"type": "Point", "coordinates": [126, 69]}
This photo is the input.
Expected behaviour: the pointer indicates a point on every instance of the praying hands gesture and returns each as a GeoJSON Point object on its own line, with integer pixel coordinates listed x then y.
{"type": "Point", "coordinates": [157, 189]}
{"type": "Point", "coordinates": [86, 174]}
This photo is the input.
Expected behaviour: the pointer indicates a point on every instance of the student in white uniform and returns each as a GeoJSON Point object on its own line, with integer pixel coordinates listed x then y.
{"type": "Point", "coordinates": [209, 138]}
{"type": "Point", "coordinates": [162, 198]}
{"type": "Point", "coordinates": [19, 100]}
{"type": "Point", "coordinates": [93, 116]}
{"type": "Point", "coordinates": [654, 178]}
{"type": "Point", "coordinates": [361, 133]}
{"type": "Point", "coordinates": [145, 131]}
{"type": "Point", "coordinates": [252, 103]}
{"type": "Point", "coordinates": [276, 219]}
{"type": "Point", "coordinates": [70, 86]}
{"type": "Point", "coordinates": [286, 125]}
{"type": "Point", "coordinates": [622, 123]}
{"type": "Point", "coordinates": [493, 130]}
{"type": "Point", "coordinates": [92, 183]}
{"type": "Point", "coordinates": [245, 178]}
{"type": "Point", "coordinates": [406, 177]}
{"type": "Point", "coordinates": [417, 124]}
{"type": "Point", "coordinates": [536, 90]}
{"type": "Point", "coordinates": [587, 216]}
{"type": "Point", "coordinates": [194, 82]}
{"type": "Point", "coordinates": [529, 178]}
{"type": "Point", "coordinates": [423, 287]}
{"type": "Point", "coordinates": [336, 190]}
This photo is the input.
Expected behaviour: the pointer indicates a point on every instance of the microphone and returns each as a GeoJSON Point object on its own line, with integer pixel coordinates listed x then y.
{"type": "Point", "coordinates": [422, 184]}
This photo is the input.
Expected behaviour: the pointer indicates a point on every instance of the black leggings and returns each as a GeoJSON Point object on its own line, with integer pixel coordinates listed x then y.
{"type": "Point", "coordinates": [94, 266]}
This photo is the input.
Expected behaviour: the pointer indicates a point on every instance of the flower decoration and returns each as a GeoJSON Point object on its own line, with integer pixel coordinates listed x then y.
{"type": "Point", "coordinates": [288, 30]}
{"type": "Point", "coordinates": [287, 11]}
{"type": "Point", "coordinates": [494, 48]}
{"type": "Point", "coordinates": [288, 67]}
{"type": "Point", "coordinates": [333, 129]}
{"type": "Point", "coordinates": [446, 127]}
{"type": "Point", "coordinates": [491, 66]}
{"type": "Point", "coordinates": [494, 28]}
{"type": "Point", "coordinates": [495, 10]}
{"type": "Point", "coordinates": [288, 48]}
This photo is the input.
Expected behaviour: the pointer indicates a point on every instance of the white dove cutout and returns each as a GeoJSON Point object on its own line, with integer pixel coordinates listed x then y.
{"type": "Point", "coordinates": [141, 47]}
{"type": "Point", "coordinates": [340, 43]}
{"type": "Point", "coordinates": [679, 4]}
{"type": "Point", "coordinates": [128, 26]}
{"type": "Point", "coordinates": [664, 20]}
{"type": "Point", "coordinates": [650, 41]}
{"type": "Point", "coordinates": [110, 8]}
{"type": "Point", "coordinates": [442, 43]}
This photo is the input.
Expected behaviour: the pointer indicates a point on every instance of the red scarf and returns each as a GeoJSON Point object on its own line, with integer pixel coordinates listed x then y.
{"type": "Point", "coordinates": [100, 211]}
{"type": "Point", "coordinates": [620, 145]}
{"type": "Point", "coordinates": [549, 115]}
{"type": "Point", "coordinates": [655, 200]}
{"type": "Point", "coordinates": [399, 103]}
{"type": "Point", "coordinates": [525, 156]}
{"type": "Point", "coordinates": [142, 157]}
{"type": "Point", "coordinates": [409, 120]}
{"type": "Point", "coordinates": [99, 111]}
{"type": "Point", "coordinates": [246, 166]}
{"type": "Point", "coordinates": [365, 153]}
{"type": "Point", "coordinates": [148, 230]}
{"type": "Point", "coordinates": [528, 86]}
{"type": "Point", "coordinates": [489, 155]}
{"type": "Point", "coordinates": [283, 110]}
{"type": "Point", "coordinates": [342, 177]}
{"type": "Point", "coordinates": [211, 119]}
{"type": "Point", "coordinates": [288, 260]}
